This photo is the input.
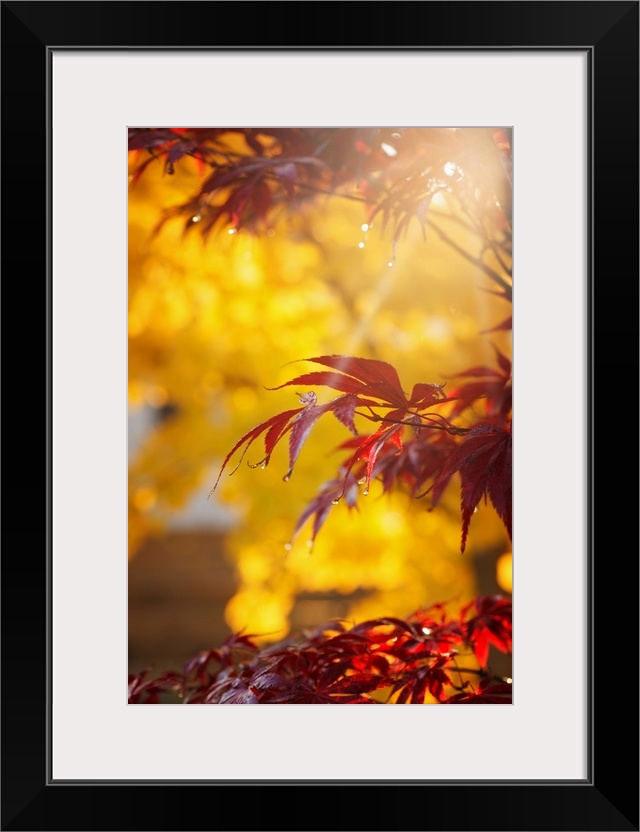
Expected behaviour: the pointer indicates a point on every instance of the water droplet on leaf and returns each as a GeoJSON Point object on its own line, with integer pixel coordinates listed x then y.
{"type": "Point", "coordinates": [307, 398]}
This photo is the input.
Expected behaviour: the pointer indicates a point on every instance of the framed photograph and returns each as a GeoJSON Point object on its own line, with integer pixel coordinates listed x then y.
{"type": "Point", "coordinates": [553, 87]}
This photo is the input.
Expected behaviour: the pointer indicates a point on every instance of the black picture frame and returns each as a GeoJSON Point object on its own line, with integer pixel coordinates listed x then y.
{"type": "Point", "coordinates": [609, 799]}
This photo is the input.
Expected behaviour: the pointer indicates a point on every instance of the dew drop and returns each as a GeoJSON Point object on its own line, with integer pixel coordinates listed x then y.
{"type": "Point", "coordinates": [360, 245]}
{"type": "Point", "coordinates": [196, 218]}
{"type": "Point", "coordinates": [390, 264]}
{"type": "Point", "coordinates": [365, 226]}
{"type": "Point", "coordinates": [263, 466]}
{"type": "Point", "coordinates": [335, 502]}
{"type": "Point", "coordinates": [310, 544]}
{"type": "Point", "coordinates": [232, 231]}
{"type": "Point", "coordinates": [365, 492]}
{"type": "Point", "coordinates": [307, 398]}
{"type": "Point", "coordinates": [286, 478]}
{"type": "Point", "coordinates": [287, 547]}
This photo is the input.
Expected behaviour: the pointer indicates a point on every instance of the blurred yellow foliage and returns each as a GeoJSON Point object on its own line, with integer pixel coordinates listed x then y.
{"type": "Point", "coordinates": [211, 324]}
{"type": "Point", "coordinates": [504, 568]}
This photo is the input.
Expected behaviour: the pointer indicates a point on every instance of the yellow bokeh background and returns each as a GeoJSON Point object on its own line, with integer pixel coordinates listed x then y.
{"type": "Point", "coordinates": [213, 323]}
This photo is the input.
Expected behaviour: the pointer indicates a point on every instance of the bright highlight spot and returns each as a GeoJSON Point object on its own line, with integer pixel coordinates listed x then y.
{"type": "Point", "coordinates": [504, 572]}
{"type": "Point", "coordinates": [389, 149]}
{"type": "Point", "coordinates": [438, 329]}
{"type": "Point", "coordinates": [451, 169]}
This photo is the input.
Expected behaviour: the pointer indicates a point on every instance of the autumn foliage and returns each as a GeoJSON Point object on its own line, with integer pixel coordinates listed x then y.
{"type": "Point", "coordinates": [384, 660]}
{"type": "Point", "coordinates": [421, 439]}
{"type": "Point", "coordinates": [434, 448]}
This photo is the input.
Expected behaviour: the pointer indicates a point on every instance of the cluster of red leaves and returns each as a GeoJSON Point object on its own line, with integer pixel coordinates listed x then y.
{"type": "Point", "coordinates": [401, 660]}
{"type": "Point", "coordinates": [415, 447]}
{"type": "Point", "coordinates": [251, 173]}
{"type": "Point", "coordinates": [394, 172]}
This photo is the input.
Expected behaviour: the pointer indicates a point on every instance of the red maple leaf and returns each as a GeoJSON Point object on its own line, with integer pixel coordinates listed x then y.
{"type": "Point", "coordinates": [492, 625]}
{"type": "Point", "coordinates": [354, 377]}
{"type": "Point", "coordinates": [414, 683]}
{"type": "Point", "coordinates": [484, 462]}
{"type": "Point", "coordinates": [343, 487]}
{"type": "Point", "coordinates": [493, 387]}
{"type": "Point", "coordinates": [148, 692]}
{"type": "Point", "coordinates": [489, 692]}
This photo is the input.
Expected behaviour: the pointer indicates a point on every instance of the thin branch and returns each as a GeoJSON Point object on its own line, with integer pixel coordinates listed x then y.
{"type": "Point", "coordinates": [454, 218]}
{"type": "Point", "coordinates": [496, 253]}
{"type": "Point", "coordinates": [352, 197]}
{"type": "Point", "coordinates": [470, 258]}
{"type": "Point", "coordinates": [455, 431]}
